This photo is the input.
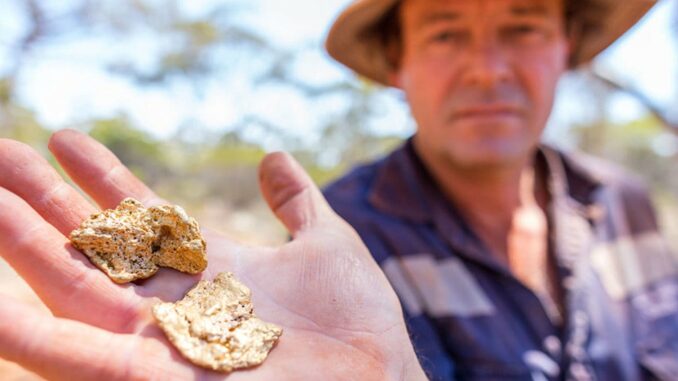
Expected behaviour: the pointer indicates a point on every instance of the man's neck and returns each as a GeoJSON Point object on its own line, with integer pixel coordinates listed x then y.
{"type": "Point", "coordinates": [488, 197]}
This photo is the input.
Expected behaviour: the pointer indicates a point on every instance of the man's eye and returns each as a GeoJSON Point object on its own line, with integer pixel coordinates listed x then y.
{"type": "Point", "coordinates": [524, 32]}
{"type": "Point", "coordinates": [446, 36]}
{"type": "Point", "coordinates": [522, 29]}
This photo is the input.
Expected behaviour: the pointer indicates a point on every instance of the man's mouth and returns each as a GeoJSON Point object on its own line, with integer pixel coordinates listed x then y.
{"type": "Point", "coordinates": [488, 111]}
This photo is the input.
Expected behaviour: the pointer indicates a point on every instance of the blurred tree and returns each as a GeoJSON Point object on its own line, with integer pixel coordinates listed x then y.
{"type": "Point", "coordinates": [143, 155]}
{"type": "Point", "coordinates": [202, 49]}
{"type": "Point", "coordinates": [643, 146]}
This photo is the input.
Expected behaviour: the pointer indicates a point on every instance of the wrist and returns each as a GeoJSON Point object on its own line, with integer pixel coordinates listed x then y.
{"type": "Point", "coordinates": [412, 371]}
{"type": "Point", "coordinates": [404, 364]}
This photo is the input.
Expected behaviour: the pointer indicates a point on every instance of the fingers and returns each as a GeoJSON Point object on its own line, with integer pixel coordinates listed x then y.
{"type": "Point", "coordinates": [99, 173]}
{"type": "Point", "coordinates": [97, 170]}
{"type": "Point", "coordinates": [291, 194]}
{"type": "Point", "coordinates": [31, 177]}
{"type": "Point", "coordinates": [62, 277]}
{"type": "Point", "coordinates": [59, 349]}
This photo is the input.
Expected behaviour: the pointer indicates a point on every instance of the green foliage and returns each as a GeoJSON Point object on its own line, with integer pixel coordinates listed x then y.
{"type": "Point", "coordinates": [128, 142]}
{"type": "Point", "coordinates": [6, 90]}
{"type": "Point", "coordinates": [634, 146]}
{"type": "Point", "coordinates": [144, 156]}
{"type": "Point", "coordinates": [231, 151]}
{"type": "Point", "coordinates": [19, 123]}
{"type": "Point", "coordinates": [198, 49]}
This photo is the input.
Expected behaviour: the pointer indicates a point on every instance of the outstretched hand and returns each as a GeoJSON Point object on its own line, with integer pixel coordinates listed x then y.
{"type": "Point", "coordinates": [340, 317]}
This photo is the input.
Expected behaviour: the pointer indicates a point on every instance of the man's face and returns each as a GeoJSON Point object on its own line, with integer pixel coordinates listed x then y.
{"type": "Point", "coordinates": [480, 76]}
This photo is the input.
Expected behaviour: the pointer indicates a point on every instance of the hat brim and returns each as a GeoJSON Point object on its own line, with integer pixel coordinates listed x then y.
{"type": "Point", "coordinates": [349, 43]}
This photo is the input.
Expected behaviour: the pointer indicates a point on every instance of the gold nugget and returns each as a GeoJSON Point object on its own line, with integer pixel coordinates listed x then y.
{"type": "Point", "coordinates": [214, 326]}
{"type": "Point", "coordinates": [131, 242]}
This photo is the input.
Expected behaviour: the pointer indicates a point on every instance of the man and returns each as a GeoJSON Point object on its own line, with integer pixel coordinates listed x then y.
{"type": "Point", "coordinates": [341, 320]}
{"type": "Point", "coordinates": [512, 260]}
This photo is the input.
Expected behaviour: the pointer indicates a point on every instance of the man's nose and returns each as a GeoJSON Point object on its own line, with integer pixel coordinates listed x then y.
{"type": "Point", "coordinates": [487, 65]}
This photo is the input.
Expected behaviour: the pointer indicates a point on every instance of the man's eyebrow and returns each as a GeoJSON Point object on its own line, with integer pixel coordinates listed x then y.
{"type": "Point", "coordinates": [433, 17]}
{"type": "Point", "coordinates": [529, 10]}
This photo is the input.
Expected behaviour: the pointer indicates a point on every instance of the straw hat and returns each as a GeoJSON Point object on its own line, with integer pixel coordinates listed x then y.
{"type": "Point", "coordinates": [352, 42]}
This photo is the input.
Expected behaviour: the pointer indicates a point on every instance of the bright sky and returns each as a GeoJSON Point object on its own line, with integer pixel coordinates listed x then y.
{"type": "Point", "coordinates": [68, 83]}
{"type": "Point", "coordinates": [647, 58]}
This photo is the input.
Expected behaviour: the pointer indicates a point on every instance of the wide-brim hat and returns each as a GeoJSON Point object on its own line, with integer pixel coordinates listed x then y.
{"type": "Point", "coordinates": [352, 41]}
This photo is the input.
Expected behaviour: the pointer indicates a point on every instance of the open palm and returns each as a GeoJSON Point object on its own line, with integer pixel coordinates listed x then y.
{"type": "Point", "coordinates": [340, 318]}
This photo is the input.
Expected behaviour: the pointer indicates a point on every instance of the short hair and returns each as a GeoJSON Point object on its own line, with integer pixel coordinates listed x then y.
{"type": "Point", "coordinates": [387, 33]}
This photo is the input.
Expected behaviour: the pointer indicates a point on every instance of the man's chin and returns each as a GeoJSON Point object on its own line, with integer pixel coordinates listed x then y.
{"type": "Point", "coordinates": [489, 154]}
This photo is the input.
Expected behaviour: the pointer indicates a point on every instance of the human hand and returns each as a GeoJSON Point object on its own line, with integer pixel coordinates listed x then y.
{"type": "Point", "coordinates": [341, 319]}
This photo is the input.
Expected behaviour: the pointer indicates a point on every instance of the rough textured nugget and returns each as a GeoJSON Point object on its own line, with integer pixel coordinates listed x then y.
{"type": "Point", "coordinates": [131, 242]}
{"type": "Point", "coordinates": [214, 326]}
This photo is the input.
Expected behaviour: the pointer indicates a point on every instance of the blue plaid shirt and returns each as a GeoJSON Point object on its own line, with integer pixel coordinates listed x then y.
{"type": "Point", "coordinates": [470, 319]}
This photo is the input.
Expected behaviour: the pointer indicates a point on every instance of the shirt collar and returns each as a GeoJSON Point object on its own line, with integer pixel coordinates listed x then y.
{"type": "Point", "coordinates": [403, 187]}
{"type": "Point", "coordinates": [568, 178]}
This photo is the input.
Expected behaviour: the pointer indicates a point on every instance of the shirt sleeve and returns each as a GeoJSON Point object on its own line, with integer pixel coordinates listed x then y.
{"type": "Point", "coordinates": [432, 357]}
{"type": "Point", "coordinates": [653, 297]}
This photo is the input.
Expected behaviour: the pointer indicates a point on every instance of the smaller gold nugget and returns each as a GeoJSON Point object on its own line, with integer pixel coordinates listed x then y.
{"type": "Point", "coordinates": [214, 326]}
{"type": "Point", "coordinates": [132, 242]}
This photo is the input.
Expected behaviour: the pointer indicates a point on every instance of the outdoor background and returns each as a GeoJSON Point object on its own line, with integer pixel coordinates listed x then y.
{"type": "Point", "coordinates": [190, 95]}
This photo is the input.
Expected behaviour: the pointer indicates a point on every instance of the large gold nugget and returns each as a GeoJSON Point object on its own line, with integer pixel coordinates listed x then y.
{"type": "Point", "coordinates": [131, 242]}
{"type": "Point", "coordinates": [214, 326]}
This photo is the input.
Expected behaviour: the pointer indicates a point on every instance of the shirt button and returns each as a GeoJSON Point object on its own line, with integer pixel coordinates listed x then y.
{"type": "Point", "coordinates": [580, 318]}
{"type": "Point", "coordinates": [569, 282]}
{"type": "Point", "coordinates": [579, 372]}
{"type": "Point", "coordinates": [553, 345]}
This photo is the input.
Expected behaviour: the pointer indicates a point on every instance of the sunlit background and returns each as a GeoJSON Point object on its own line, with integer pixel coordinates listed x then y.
{"type": "Point", "coordinates": [191, 95]}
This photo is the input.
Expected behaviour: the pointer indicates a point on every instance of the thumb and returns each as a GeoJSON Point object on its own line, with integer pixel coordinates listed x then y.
{"type": "Point", "coordinates": [291, 194]}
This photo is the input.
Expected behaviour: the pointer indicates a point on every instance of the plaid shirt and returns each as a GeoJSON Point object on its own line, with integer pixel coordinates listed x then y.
{"type": "Point", "coordinates": [471, 319]}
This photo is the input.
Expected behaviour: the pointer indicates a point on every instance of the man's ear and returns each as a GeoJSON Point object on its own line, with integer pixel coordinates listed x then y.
{"type": "Point", "coordinates": [393, 55]}
{"type": "Point", "coordinates": [573, 36]}
{"type": "Point", "coordinates": [394, 79]}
